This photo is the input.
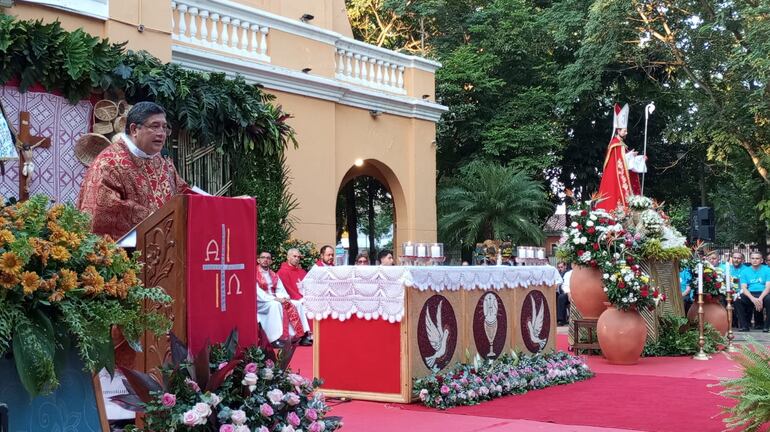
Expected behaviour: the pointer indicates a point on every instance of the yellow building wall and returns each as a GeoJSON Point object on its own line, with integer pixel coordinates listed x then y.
{"type": "Point", "coordinates": [331, 137]}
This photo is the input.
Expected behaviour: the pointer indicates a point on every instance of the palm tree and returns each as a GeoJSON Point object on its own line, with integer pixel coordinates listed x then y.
{"type": "Point", "coordinates": [489, 201]}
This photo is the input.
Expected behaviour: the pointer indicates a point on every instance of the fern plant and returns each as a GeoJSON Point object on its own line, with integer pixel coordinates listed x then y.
{"type": "Point", "coordinates": [750, 391]}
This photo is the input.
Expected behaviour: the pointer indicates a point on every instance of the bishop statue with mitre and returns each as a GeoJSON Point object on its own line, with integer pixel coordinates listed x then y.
{"type": "Point", "coordinates": [620, 177]}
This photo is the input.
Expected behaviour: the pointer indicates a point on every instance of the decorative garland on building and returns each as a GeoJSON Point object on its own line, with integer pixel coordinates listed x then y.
{"type": "Point", "coordinates": [211, 106]}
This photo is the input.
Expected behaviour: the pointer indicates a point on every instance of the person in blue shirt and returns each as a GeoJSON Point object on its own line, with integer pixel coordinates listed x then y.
{"type": "Point", "coordinates": [755, 287]}
{"type": "Point", "coordinates": [736, 266]}
{"type": "Point", "coordinates": [684, 284]}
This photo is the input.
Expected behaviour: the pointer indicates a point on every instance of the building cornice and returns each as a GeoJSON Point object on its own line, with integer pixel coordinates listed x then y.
{"type": "Point", "coordinates": [98, 9]}
{"type": "Point", "coordinates": [290, 81]}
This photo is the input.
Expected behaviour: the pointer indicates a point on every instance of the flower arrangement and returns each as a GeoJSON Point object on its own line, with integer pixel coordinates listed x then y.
{"type": "Point", "coordinates": [226, 390]}
{"type": "Point", "coordinates": [628, 286]}
{"type": "Point", "coordinates": [714, 284]}
{"type": "Point", "coordinates": [640, 202]}
{"type": "Point", "coordinates": [61, 283]}
{"type": "Point", "coordinates": [590, 237]}
{"type": "Point", "coordinates": [470, 384]}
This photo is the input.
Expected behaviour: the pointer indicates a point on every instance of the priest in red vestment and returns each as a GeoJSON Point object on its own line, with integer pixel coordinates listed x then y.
{"type": "Point", "coordinates": [281, 318]}
{"type": "Point", "coordinates": [130, 179]}
{"type": "Point", "coordinates": [327, 257]}
{"type": "Point", "coordinates": [291, 273]}
{"type": "Point", "coordinates": [620, 176]}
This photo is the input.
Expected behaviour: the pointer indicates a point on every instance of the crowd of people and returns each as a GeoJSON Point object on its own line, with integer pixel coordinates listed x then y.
{"type": "Point", "coordinates": [750, 282]}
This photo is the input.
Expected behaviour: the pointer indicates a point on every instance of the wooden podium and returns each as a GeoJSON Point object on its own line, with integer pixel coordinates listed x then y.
{"type": "Point", "coordinates": [183, 252]}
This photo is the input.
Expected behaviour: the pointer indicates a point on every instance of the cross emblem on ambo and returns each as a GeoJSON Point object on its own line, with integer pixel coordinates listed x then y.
{"type": "Point", "coordinates": [220, 252]}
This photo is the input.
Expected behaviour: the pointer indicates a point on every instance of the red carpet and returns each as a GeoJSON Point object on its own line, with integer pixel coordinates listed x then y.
{"type": "Point", "coordinates": [648, 403]}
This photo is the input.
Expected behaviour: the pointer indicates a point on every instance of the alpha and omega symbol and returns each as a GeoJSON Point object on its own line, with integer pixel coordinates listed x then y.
{"type": "Point", "coordinates": [219, 252]}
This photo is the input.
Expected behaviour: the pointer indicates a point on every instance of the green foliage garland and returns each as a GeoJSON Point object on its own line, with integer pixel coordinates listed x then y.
{"type": "Point", "coordinates": [211, 106]}
{"type": "Point", "coordinates": [679, 337]}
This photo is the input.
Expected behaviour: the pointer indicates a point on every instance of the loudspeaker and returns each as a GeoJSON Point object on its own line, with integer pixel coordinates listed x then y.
{"type": "Point", "coordinates": [3, 418]}
{"type": "Point", "coordinates": [703, 226]}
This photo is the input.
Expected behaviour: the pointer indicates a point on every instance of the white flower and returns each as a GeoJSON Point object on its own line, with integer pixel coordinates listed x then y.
{"type": "Point", "coordinates": [573, 224]}
{"type": "Point", "coordinates": [190, 418]}
{"type": "Point", "coordinates": [590, 223]}
{"type": "Point", "coordinates": [214, 399]}
{"type": "Point", "coordinates": [606, 276]}
{"type": "Point", "coordinates": [292, 398]}
{"type": "Point", "coordinates": [238, 417]}
{"type": "Point", "coordinates": [267, 373]}
{"type": "Point", "coordinates": [423, 394]}
{"type": "Point", "coordinates": [250, 380]}
{"type": "Point", "coordinates": [203, 410]}
{"type": "Point", "coordinates": [275, 396]}
{"type": "Point", "coordinates": [576, 240]}
{"type": "Point", "coordinates": [288, 428]}
{"type": "Point", "coordinates": [241, 428]}
{"type": "Point", "coordinates": [583, 240]}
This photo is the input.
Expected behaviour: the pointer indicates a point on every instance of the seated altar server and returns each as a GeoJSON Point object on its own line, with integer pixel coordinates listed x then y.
{"type": "Point", "coordinates": [281, 317]}
{"type": "Point", "coordinates": [130, 179]}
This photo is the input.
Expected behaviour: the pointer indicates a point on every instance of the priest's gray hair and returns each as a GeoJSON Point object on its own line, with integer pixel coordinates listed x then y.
{"type": "Point", "coordinates": [293, 250]}
{"type": "Point", "coordinates": [140, 112]}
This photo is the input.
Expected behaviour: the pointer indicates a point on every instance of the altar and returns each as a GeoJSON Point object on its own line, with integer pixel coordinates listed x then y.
{"type": "Point", "coordinates": [379, 328]}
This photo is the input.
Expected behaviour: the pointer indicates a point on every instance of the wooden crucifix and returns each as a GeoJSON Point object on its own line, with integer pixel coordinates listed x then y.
{"type": "Point", "coordinates": [26, 143]}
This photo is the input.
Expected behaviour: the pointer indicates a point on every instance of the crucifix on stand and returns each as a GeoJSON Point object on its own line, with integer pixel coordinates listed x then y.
{"type": "Point", "coordinates": [26, 143]}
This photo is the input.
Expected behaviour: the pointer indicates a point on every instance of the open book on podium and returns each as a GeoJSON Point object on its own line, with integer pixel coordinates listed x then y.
{"type": "Point", "coordinates": [202, 250]}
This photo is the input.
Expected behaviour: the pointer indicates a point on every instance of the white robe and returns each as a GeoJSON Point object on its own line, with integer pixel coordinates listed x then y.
{"type": "Point", "coordinates": [270, 310]}
{"type": "Point", "coordinates": [636, 162]}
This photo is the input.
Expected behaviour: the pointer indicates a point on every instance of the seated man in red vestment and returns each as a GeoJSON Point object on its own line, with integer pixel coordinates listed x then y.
{"type": "Point", "coordinates": [130, 179]}
{"type": "Point", "coordinates": [291, 273]}
{"type": "Point", "coordinates": [327, 256]}
{"type": "Point", "coordinates": [281, 317]}
{"type": "Point", "coordinates": [620, 177]}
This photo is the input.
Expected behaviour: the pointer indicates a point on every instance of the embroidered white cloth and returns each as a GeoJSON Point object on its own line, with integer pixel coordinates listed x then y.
{"type": "Point", "coordinates": [374, 292]}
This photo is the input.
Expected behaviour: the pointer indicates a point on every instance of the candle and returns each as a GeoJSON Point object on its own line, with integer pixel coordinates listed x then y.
{"type": "Point", "coordinates": [435, 251]}
{"type": "Point", "coordinates": [422, 251]}
{"type": "Point", "coordinates": [729, 279]}
{"type": "Point", "coordinates": [541, 253]}
{"type": "Point", "coordinates": [700, 278]}
{"type": "Point", "coordinates": [409, 250]}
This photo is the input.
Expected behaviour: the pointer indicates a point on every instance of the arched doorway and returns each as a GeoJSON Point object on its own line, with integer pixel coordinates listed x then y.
{"type": "Point", "coordinates": [368, 202]}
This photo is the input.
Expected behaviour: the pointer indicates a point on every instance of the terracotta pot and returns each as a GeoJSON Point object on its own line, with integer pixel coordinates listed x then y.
{"type": "Point", "coordinates": [587, 291]}
{"type": "Point", "coordinates": [713, 313]}
{"type": "Point", "coordinates": [621, 335]}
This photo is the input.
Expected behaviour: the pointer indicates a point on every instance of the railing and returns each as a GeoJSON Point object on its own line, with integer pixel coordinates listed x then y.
{"type": "Point", "coordinates": [231, 33]}
{"type": "Point", "coordinates": [369, 66]}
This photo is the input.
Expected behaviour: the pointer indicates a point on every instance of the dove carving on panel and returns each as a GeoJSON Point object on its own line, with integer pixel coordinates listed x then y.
{"type": "Point", "coordinates": [535, 323]}
{"type": "Point", "coordinates": [437, 336]}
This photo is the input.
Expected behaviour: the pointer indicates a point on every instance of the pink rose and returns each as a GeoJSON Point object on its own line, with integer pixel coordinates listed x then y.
{"type": "Point", "coordinates": [287, 428]}
{"type": "Point", "coordinates": [250, 368]}
{"type": "Point", "coordinates": [296, 380]}
{"type": "Point", "coordinates": [292, 399]}
{"type": "Point", "coordinates": [192, 384]}
{"type": "Point", "coordinates": [263, 429]}
{"type": "Point", "coordinates": [168, 400]}
{"type": "Point", "coordinates": [190, 418]}
{"type": "Point", "coordinates": [444, 389]}
{"type": "Point", "coordinates": [226, 428]}
{"type": "Point", "coordinates": [275, 396]}
{"type": "Point", "coordinates": [241, 428]}
{"type": "Point", "coordinates": [221, 365]}
{"type": "Point", "coordinates": [317, 427]}
{"type": "Point", "coordinates": [266, 410]}
{"type": "Point", "coordinates": [311, 414]}
{"type": "Point", "coordinates": [238, 417]}
{"type": "Point", "coordinates": [293, 419]}
{"type": "Point", "coordinates": [269, 364]}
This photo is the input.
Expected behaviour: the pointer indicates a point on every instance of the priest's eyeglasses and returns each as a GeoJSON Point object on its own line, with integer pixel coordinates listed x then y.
{"type": "Point", "coordinates": [158, 128]}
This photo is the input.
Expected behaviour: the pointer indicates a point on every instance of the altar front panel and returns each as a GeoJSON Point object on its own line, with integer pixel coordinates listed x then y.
{"type": "Point", "coordinates": [535, 316]}
{"type": "Point", "coordinates": [435, 330]}
{"type": "Point", "coordinates": [488, 322]}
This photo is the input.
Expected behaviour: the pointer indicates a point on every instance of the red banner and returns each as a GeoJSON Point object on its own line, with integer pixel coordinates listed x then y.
{"type": "Point", "coordinates": [221, 270]}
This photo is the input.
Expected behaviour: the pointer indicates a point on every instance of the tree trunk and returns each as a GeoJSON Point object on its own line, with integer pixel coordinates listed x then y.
{"type": "Point", "coordinates": [352, 221]}
{"type": "Point", "coordinates": [370, 197]}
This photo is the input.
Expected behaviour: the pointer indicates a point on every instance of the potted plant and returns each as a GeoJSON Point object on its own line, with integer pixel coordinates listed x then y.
{"type": "Point", "coordinates": [589, 240]}
{"type": "Point", "coordinates": [714, 288]}
{"type": "Point", "coordinates": [63, 288]}
{"type": "Point", "coordinates": [222, 388]}
{"type": "Point", "coordinates": [621, 330]}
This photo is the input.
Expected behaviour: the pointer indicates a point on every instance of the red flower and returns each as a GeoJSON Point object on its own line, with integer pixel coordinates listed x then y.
{"type": "Point", "coordinates": [579, 227]}
{"type": "Point", "coordinates": [594, 263]}
{"type": "Point", "coordinates": [596, 246]}
{"type": "Point", "coordinates": [718, 285]}
{"type": "Point", "coordinates": [621, 284]}
{"type": "Point", "coordinates": [591, 230]}
{"type": "Point", "coordinates": [630, 260]}
{"type": "Point", "coordinates": [644, 292]}
{"type": "Point", "coordinates": [583, 212]}
{"type": "Point", "coordinates": [580, 252]}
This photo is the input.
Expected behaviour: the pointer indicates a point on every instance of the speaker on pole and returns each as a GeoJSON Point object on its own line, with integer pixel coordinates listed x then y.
{"type": "Point", "coordinates": [703, 224]}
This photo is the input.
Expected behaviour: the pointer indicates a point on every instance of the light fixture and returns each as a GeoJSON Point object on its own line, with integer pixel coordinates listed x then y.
{"type": "Point", "coordinates": [358, 162]}
{"type": "Point", "coordinates": [375, 113]}
{"type": "Point", "coordinates": [306, 70]}
{"type": "Point", "coordinates": [306, 17]}
{"type": "Point", "coordinates": [425, 96]}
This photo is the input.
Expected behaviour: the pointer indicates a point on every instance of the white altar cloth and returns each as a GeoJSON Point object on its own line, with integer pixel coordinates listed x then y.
{"type": "Point", "coordinates": [377, 292]}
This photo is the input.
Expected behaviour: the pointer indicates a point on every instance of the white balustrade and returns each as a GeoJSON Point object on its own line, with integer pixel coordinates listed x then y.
{"type": "Point", "coordinates": [370, 68]}
{"type": "Point", "coordinates": [194, 22]}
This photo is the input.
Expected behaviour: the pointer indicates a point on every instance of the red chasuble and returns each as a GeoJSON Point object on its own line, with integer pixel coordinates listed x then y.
{"type": "Point", "coordinates": [617, 182]}
{"type": "Point", "coordinates": [291, 276]}
{"type": "Point", "coordinates": [290, 313]}
{"type": "Point", "coordinates": [120, 190]}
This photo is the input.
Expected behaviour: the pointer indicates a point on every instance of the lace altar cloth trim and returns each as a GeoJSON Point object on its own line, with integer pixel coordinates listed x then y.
{"type": "Point", "coordinates": [377, 292]}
